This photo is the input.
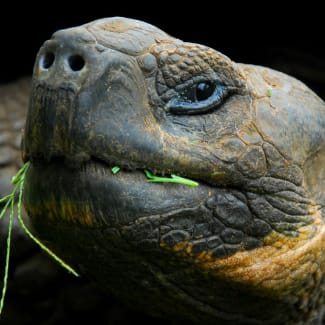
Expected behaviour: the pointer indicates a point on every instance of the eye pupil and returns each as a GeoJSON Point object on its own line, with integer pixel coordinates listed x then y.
{"type": "Point", "coordinates": [204, 90]}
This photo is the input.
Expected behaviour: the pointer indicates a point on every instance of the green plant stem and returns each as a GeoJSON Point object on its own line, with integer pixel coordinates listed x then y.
{"type": "Point", "coordinates": [5, 277]}
{"type": "Point", "coordinates": [18, 182]}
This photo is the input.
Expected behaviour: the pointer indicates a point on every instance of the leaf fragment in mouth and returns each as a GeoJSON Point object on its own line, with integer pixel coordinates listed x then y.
{"type": "Point", "coordinates": [115, 169]}
{"type": "Point", "coordinates": [173, 179]}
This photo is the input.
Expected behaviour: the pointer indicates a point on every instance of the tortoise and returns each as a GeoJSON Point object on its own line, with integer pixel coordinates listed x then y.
{"type": "Point", "coordinates": [246, 245]}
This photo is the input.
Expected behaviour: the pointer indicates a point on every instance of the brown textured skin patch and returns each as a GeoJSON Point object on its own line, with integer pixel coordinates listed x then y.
{"type": "Point", "coordinates": [63, 210]}
{"type": "Point", "coordinates": [280, 268]}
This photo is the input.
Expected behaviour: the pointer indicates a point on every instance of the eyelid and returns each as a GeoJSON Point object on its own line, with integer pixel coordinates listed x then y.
{"type": "Point", "coordinates": [181, 106]}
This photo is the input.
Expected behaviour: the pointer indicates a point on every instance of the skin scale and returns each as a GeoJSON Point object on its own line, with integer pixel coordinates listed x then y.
{"type": "Point", "coordinates": [246, 245]}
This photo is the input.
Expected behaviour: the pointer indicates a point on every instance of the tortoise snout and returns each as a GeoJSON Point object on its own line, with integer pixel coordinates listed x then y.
{"type": "Point", "coordinates": [64, 58]}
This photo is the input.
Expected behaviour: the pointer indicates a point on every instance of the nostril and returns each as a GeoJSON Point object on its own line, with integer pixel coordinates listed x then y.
{"type": "Point", "coordinates": [76, 62]}
{"type": "Point", "coordinates": [47, 60]}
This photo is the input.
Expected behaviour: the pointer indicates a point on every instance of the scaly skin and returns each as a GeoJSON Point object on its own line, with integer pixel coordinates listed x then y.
{"type": "Point", "coordinates": [246, 246]}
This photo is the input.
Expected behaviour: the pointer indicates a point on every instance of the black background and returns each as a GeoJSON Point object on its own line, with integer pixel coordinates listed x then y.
{"type": "Point", "coordinates": [289, 39]}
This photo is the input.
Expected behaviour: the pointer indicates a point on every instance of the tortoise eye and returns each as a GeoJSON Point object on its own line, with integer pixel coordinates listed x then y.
{"type": "Point", "coordinates": [199, 98]}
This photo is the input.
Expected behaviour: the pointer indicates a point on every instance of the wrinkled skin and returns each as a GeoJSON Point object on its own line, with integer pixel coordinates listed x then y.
{"type": "Point", "coordinates": [246, 245]}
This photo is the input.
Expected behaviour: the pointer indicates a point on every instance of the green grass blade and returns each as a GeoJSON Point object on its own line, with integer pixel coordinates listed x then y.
{"type": "Point", "coordinates": [5, 198]}
{"type": "Point", "coordinates": [174, 179]}
{"type": "Point", "coordinates": [20, 174]}
{"type": "Point", "coordinates": [184, 181]}
{"type": "Point", "coordinates": [18, 182]}
{"type": "Point", "coordinates": [4, 209]}
{"type": "Point", "coordinates": [115, 169]}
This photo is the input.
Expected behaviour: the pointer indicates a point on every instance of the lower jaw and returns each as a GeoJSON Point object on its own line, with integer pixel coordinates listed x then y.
{"type": "Point", "coordinates": [79, 213]}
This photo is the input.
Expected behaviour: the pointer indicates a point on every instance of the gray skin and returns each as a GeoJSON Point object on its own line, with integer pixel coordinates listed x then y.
{"type": "Point", "coordinates": [246, 245]}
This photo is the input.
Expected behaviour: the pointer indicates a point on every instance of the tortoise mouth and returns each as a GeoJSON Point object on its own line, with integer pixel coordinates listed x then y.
{"type": "Point", "coordinates": [54, 187]}
{"type": "Point", "coordinates": [112, 166]}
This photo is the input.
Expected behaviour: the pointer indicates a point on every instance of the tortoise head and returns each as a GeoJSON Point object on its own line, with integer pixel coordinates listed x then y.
{"type": "Point", "coordinates": [247, 243]}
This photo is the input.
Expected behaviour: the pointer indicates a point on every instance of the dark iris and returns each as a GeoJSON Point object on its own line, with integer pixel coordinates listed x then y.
{"type": "Point", "coordinates": [204, 90]}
